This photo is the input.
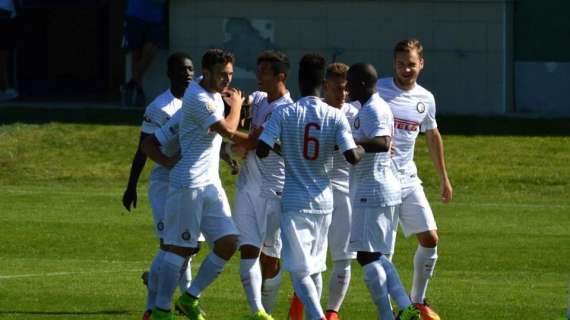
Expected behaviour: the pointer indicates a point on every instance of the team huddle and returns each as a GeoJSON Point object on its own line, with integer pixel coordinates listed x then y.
{"type": "Point", "coordinates": [333, 173]}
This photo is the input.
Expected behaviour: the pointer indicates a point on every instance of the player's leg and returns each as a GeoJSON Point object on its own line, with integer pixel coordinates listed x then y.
{"type": "Point", "coordinates": [339, 240]}
{"type": "Point", "coordinates": [247, 208]}
{"type": "Point", "coordinates": [221, 233]}
{"type": "Point", "coordinates": [270, 255]}
{"type": "Point", "coordinates": [299, 235]}
{"type": "Point", "coordinates": [181, 228]}
{"type": "Point", "coordinates": [417, 218]}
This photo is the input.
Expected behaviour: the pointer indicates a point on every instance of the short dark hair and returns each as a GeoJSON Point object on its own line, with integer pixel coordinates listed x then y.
{"type": "Point", "coordinates": [278, 61]}
{"type": "Point", "coordinates": [337, 69]}
{"type": "Point", "coordinates": [216, 56]}
{"type": "Point", "coordinates": [177, 57]}
{"type": "Point", "coordinates": [311, 70]}
{"type": "Point", "coordinates": [408, 45]}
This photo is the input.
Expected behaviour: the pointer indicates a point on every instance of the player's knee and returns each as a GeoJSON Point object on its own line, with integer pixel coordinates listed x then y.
{"type": "Point", "coordinates": [428, 239]}
{"type": "Point", "coordinates": [270, 266]}
{"type": "Point", "coordinates": [226, 246]}
{"type": "Point", "coordinates": [365, 258]}
{"type": "Point", "coordinates": [248, 251]}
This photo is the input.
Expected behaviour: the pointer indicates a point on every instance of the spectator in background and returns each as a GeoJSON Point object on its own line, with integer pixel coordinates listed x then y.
{"type": "Point", "coordinates": [7, 43]}
{"type": "Point", "coordinates": [145, 33]}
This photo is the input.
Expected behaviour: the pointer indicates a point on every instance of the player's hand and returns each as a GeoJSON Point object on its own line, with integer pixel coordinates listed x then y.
{"type": "Point", "coordinates": [239, 150]}
{"type": "Point", "coordinates": [130, 198]}
{"type": "Point", "coordinates": [446, 191]}
{"type": "Point", "coordinates": [233, 97]}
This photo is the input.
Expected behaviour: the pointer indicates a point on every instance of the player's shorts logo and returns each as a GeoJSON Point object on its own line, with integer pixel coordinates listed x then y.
{"type": "Point", "coordinates": [160, 226]}
{"type": "Point", "coordinates": [421, 107]}
{"type": "Point", "coordinates": [185, 236]}
{"type": "Point", "coordinates": [357, 123]}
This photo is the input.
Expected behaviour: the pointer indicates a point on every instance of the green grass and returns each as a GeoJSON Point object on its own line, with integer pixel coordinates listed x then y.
{"type": "Point", "coordinates": [68, 250]}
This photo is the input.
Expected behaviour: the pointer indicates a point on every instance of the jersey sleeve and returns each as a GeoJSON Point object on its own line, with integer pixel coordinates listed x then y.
{"type": "Point", "coordinates": [205, 111]}
{"type": "Point", "coordinates": [429, 122]}
{"type": "Point", "coordinates": [169, 131]}
{"type": "Point", "coordinates": [272, 128]}
{"type": "Point", "coordinates": [376, 123]}
{"type": "Point", "coordinates": [151, 119]}
{"type": "Point", "coordinates": [344, 138]}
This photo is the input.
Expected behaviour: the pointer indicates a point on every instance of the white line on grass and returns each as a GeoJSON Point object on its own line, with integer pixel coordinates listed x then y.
{"type": "Point", "coordinates": [58, 274]}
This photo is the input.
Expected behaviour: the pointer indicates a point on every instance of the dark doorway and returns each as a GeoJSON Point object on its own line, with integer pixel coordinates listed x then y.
{"type": "Point", "coordinates": [70, 50]}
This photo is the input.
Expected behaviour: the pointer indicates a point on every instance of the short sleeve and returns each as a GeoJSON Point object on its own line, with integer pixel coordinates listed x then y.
{"type": "Point", "coordinates": [272, 128]}
{"type": "Point", "coordinates": [151, 120]}
{"type": "Point", "coordinates": [169, 131]}
{"type": "Point", "coordinates": [375, 122]}
{"type": "Point", "coordinates": [344, 138]}
{"type": "Point", "coordinates": [429, 122]}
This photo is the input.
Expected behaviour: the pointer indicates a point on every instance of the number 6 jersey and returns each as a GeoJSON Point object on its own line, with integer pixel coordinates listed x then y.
{"type": "Point", "coordinates": [308, 130]}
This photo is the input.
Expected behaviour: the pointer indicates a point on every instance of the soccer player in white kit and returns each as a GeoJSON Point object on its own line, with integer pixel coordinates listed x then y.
{"type": "Point", "coordinates": [308, 131]}
{"type": "Point", "coordinates": [180, 71]}
{"type": "Point", "coordinates": [196, 200]}
{"type": "Point", "coordinates": [375, 193]}
{"type": "Point", "coordinates": [413, 108]}
{"type": "Point", "coordinates": [258, 199]}
{"type": "Point", "coordinates": [335, 95]}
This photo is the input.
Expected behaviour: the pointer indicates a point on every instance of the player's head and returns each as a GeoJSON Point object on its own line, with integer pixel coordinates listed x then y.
{"type": "Point", "coordinates": [361, 81]}
{"type": "Point", "coordinates": [217, 69]}
{"type": "Point", "coordinates": [408, 62]}
{"type": "Point", "coordinates": [334, 86]}
{"type": "Point", "coordinates": [311, 73]}
{"type": "Point", "coordinates": [272, 69]}
{"type": "Point", "coordinates": [180, 69]}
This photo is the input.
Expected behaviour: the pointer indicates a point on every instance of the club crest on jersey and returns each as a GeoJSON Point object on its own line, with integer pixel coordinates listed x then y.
{"type": "Point", "coordinates": [160, 226]}
{"type": "Point", "coordinates": [421, 107]}
{"type": "Point", "coordinates": [185, 235]}
{"type": "Point", "coordinates": [357, 123]}
{"type": "Point", "coordinates": [211, 107]}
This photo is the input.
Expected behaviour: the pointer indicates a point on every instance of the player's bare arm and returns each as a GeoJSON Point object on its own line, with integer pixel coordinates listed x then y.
{"type": "Point", "coordinates": [376, 144]}
{"type": "Point", "coordinates": [228, 127]}
{"type": "Point", "coordinates": [137, 166]}
{"type": "Point", "coordinates": [353, 156]}
{"type": "Point", "coordinates": [150, 146]}
{"type": "Point", "coordinates": [435, 147]}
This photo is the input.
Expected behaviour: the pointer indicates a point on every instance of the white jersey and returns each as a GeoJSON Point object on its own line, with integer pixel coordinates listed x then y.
{"type": "Point", "coordinates": [200, 146]}
{"type": "Point", "coordinates": [372, 180]}
{"type": "Point", "coordinates": [340, 167]}
{"type": "Point", "coordinates": [308, 130]}
{"type": "Point", "coordinates": [413, 111]}
{"type": "Point", "coordinates": [156, 114]}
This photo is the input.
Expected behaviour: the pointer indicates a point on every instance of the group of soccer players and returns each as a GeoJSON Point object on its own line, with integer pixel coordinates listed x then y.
{"type": "Point", "coordinates": [334, 172]}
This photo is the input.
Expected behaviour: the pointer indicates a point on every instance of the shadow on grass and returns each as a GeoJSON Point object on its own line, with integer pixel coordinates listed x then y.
{"type": "Point", "coordinates": [517, 125]}
{"type": "Point", "coordinates": [70, 313]}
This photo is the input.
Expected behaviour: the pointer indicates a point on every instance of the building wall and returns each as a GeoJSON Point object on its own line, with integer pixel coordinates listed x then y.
{"type": "Point", "coordinates": [467, 43]}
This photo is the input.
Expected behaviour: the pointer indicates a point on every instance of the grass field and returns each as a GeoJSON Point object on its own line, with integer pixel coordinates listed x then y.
{"type": "Point", "coordinates": [68, 250]}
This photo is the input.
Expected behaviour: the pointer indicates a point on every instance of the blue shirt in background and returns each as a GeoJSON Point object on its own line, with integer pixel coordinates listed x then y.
{"type": "Point", "coordinates": [147, 10]}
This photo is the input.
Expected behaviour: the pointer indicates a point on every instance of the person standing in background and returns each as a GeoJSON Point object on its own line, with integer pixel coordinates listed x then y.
{"type": "Point", "coordinates": [7, 34]}
{"type": "Point", "coordinates": [145, 33]}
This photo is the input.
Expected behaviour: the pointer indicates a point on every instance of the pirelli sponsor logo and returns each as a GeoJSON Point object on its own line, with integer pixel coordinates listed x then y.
{"type": "Point", "coordinates": [406, 124]}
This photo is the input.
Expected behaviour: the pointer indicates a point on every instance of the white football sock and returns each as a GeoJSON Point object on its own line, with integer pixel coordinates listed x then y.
{"type": "Point", "coordinates": [318, 281]}
{"type": "Point", "coordinates": [152, 284]}
{"type": "Point", "coordinates": [338, 284]}
{"type": "Point", "coordinates": [270, 291]}
{"type": "Point", "coordinates": [395, 287]}
{"type": "Point", "coordinates": [250, 274]}
{"type": "Point", "coordinates": [307, 291]}
{"type": "Point", "coordinates": [377, 284]}
{"type": "Point", "coordinates": [212, 266]}
{"type": "Point", "coordinates": [168, 275]}
{"type": "Point", "coordinates": [185, 277]}
{"type": "Point", "coordinates": [424, 264]}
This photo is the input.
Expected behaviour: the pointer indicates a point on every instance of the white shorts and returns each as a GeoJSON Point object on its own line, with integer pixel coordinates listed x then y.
{"type": "Point", "coordinates": [257, 220]}
{"type": "Point", "coordinates": [339, 231]}
{"type": "Point", "coordinates": [157, 194]}
{"type": "Point", "coordinates": [304, 239]}
{"type": "Point", "coordinates": [373, 229]}
{"type": "Point", "coordinates": [194, 210]}
{"type": "Point", "coordinates": [414, 212]}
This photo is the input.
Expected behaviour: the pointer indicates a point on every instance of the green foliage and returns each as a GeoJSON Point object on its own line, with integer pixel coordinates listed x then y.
{"type": "Point", "coordinates": [68, 250]}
